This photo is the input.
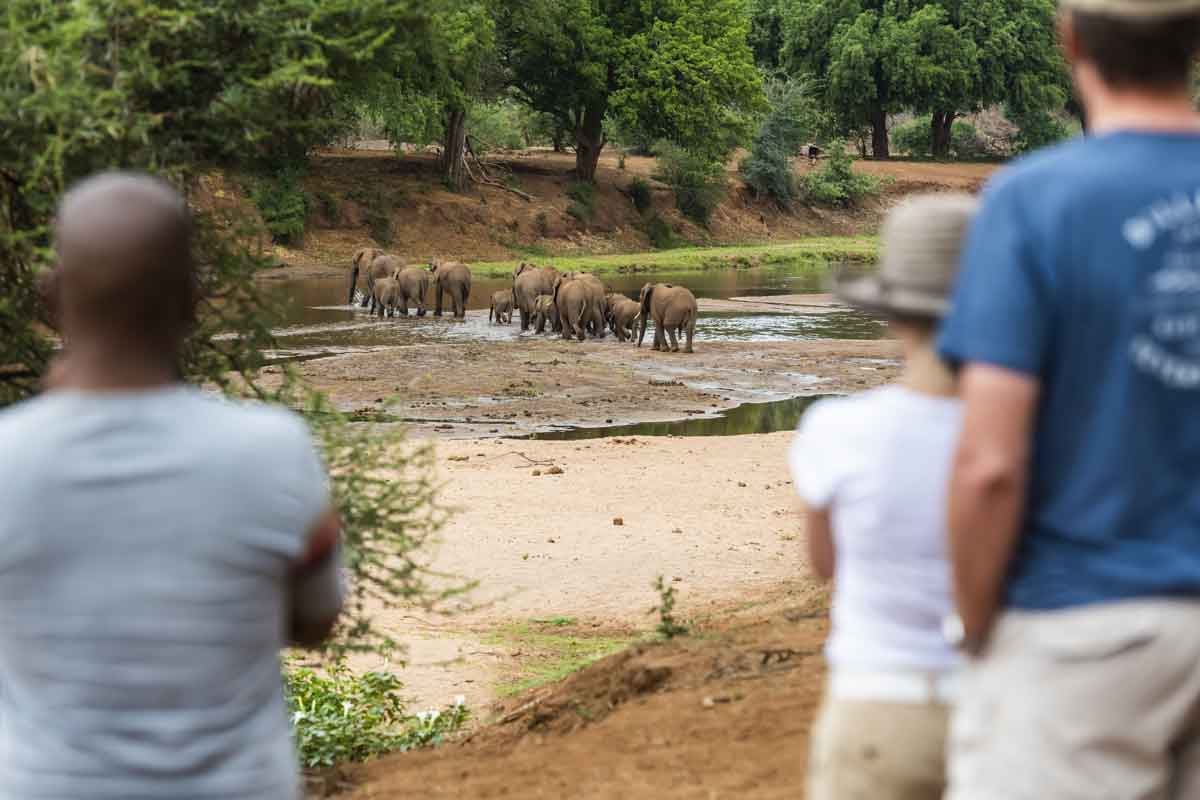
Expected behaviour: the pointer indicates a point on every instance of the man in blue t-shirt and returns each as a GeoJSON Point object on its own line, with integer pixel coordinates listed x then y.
{"type": "Point", "coordinates": [1075, 501]}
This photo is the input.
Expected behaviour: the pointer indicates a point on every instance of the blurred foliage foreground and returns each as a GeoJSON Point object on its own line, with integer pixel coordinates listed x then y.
{"type": "Point", "coordinates": [180, 89]}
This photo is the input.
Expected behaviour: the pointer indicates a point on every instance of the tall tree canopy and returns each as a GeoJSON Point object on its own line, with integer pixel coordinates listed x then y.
{"type": "Point", "coordinates": [677, 69]}
{"type": "Point", "coordinates": [872, 58]}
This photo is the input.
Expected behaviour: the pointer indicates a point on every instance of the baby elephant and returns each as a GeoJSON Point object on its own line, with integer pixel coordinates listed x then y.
{"type": "Point", "coordinates": [623, 316]}
{"type": "Point", "coordinates": [545, 310]}
{"type": "Point", "coordinates": [502, 307]}
{"type": "Point", "coordinates": [386, 295]}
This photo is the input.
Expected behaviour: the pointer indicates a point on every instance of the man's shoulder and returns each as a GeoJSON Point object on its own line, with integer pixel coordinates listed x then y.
{"type": "Point", "coordinates": [24, 419]}
{"type": "Point", "coordinates": [261, 424]}
{"type": "Point", "coordinates": [1033, 170]}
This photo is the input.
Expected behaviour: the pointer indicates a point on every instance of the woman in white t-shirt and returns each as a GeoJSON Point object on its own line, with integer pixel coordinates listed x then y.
{"type": "Point", "coordinates": [873, 470]}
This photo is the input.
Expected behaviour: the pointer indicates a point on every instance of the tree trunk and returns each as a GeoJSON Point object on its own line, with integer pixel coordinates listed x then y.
{"type": "Point", "coordinates": [454, 149]}
{"type": "Point", "coordinates": [940, 129]}
{"type": "Point", "coordinates": [879, 135]}
{"type": "Point", "coordinates": [559, 133]}
{"type": "Point", "coordinates": [589, 141]}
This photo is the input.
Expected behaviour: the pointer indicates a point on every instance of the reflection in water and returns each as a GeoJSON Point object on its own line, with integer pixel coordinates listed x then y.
{"type": "Point", "coordinates": [780, 415]}
{"type": "Point", "coordinates": [315, 320]}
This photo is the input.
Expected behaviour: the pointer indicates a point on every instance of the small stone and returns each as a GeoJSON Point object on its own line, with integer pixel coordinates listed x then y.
{"type": "Point", "coordinates": [555, 471]}
{"type": "Point", "coordinates": [551, 541]}
{"type": "Point", "coordinates": [618, 521]}
{"type": "Point", "coordinates": [459, 458]}
{"type": "Point", "coordinates": [677, 530]}
{"type": "Point", "coordinates": [537, 473]}
{"type": "Point", "coordinates": [741, 484]}
{"type": "Point", "coordinates": [608, 421]}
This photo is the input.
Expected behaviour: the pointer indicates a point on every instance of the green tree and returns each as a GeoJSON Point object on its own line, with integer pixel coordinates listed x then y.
{"type": "Point", "coordinates": [181, 89]}
{"type": "Point", "coordinates": [766, 34]}
{"type": "Point", "coordinates": [855, 51]}
{"type": "Point", "coordinates": [984, 53]}
{"type": "Point", "coordinates": [673, 69]}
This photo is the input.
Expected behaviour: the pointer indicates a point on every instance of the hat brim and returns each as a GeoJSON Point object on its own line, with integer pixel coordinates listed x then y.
{"type": "Point", "coordinates": [1134, 9]}
{"type": "Point", "coordinates": [870, 295]}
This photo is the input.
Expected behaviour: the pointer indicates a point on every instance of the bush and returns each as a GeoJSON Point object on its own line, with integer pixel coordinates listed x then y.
{"type": "Point", "coordinates": [792, 120]}
{"type": "Point", "coordinates": [699, 182]}
{"type": "Point", "coordinates": [913, 137]}
{"type": "Point", "coordinates": [340, 716]}
{"type": "Point", "coordinates": [659, 232]}
{"type": "Point", "coordinates": [328, 204]}
{"type": "Point", "coordinates": [640, 194]}
{"type": "Point", "coordinates": [668, 626]}
{"type": "Point", "coordinates": [283, 206]}
{"type": "Point", "coordinates": [583, 205]}
{"type": "Point", "coordinates": [1037, 129]}
{"type": "Point", "coordinates": [377, 207]}
{"type": "Point", "coordinates": [497, 126]}
{"type": "Point", "coordinates": [836, 183]}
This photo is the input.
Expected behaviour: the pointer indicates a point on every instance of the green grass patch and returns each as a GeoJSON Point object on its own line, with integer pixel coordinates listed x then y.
{"type": "Point", "coordinates": [817, 251]}
{"type": "Point", "coordinates": [551, 650]}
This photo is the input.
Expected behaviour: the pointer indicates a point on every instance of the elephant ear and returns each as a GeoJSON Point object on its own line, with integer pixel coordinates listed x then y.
{"type": "Point", "coordinates": [358, 257]}
{"type": "Point", "coordinates": [647, 293]}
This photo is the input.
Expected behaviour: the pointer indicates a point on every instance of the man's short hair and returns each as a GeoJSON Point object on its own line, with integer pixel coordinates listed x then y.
{"type": "Point", "coordinates": [1155, 53]}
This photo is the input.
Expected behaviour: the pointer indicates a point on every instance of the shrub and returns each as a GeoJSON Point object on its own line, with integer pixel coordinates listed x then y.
{"type": "Point", "coordinates": [913, 137]}
{"type": "Point", "coordinates": [583, 205]}
{"type": "Point", "coordinates": [659, 232]}
{"type": "Point", "coordinates": [542, 221]}
{"type": "Point", "coordinates": [378, 213]}
{"type": "Point", "coordinates": [699, 182]}
{"type": "Point", "coordinates": [640, 194]}
{"type": "Point", "coordinates": [836, 183]}
{"type": "Point", "coordinates": [668, 626]}
{"type": "Point", "coordinates": [328, 204]}
{"type": "Point", "coordinates": [341, 716]}
{"type": "Point", "coordinates": [792, 120]}
{"type": "Point", "coordinates": [283, 206]}
{"type": "Point", "coordinates": [1037, 129]}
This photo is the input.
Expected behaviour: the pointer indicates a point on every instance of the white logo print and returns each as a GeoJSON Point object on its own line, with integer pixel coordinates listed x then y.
{"type": "Point", "coordinates": [1139, 232]}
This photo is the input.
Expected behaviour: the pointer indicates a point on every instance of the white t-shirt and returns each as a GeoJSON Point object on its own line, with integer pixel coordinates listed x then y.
{"type": "Point", "coordinates": [880, 462]}
{"type": "Point", "coordinates": [146, 545]}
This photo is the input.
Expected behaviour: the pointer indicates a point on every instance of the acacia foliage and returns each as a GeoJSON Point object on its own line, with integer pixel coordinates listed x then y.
{"type": "Point", "coordinates": [180, 89]}
{"type": "Point", "coordinates": [793, 120]}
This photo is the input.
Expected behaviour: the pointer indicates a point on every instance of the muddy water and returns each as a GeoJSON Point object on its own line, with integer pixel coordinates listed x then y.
{"type": "Point", "coordinates": [779, 415]}
{"type": "Point", "coordinates": [317, 322]}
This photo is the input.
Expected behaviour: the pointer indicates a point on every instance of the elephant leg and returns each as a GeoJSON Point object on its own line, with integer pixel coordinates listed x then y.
{"type": "Point", "coordinates": [524, 321]}
{"type": "Point", "coordinates": [437, 294]}
{"type": "Point", "coordinates": [674, 341]}
{"type": "Point", "coordinates": [404, 305]}
{"type": "Point", "coordinates": [691, 332]}
{"type": "Point", "coordinates": [461, 311]}
{"type": "Point", "coordinates": [660, 337]}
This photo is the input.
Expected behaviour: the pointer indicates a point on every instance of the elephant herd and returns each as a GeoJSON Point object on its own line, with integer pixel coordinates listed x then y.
{"type": "Point", "coordinates": [391, 284]}
{"type": "Point", "coordinates": [575, 304]}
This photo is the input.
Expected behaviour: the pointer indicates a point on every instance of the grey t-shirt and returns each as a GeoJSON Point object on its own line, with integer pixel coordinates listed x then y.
{"type": "Point", "coordinates": [145, 545]}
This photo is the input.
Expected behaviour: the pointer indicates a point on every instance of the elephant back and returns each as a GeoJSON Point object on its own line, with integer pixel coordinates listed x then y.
{"type": "Point", "coordinates": [385, 266]}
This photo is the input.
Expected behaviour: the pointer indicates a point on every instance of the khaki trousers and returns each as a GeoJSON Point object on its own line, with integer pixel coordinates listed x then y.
{"type": "Point", "coordinates": [873, 750]}
{"type": "Point", "coordinates": [1092, 703]}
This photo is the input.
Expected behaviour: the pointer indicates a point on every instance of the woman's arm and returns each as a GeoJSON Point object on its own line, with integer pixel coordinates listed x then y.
{"type": "Point", "coordinates": [818, 527]}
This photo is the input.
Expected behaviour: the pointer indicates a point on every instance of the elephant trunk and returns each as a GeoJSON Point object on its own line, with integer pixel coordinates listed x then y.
{"type": "Point", "coordinates": [353, 284]}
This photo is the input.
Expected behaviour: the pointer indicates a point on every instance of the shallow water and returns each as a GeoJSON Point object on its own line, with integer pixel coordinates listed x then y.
{"type": "Point", "coordinates": [778, 415]}
{"type": "Point", "coordinates": [317, 322]}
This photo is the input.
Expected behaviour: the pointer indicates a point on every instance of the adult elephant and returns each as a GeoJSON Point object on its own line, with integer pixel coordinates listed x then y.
{"type": "Point", "coordinates": [673, 309]}
{"type": "Point", "coordinates": [452, 278]}
{"type": "Point", "coordinates": [598, 306]}
{"type": "Point", "coordinates": [529, 283]}
{"type": "Point", "coordinates": [362, 261]}
{"type": "Point", "coordinates": [574, 308]}
{"type": "Point", "coordinates": [413, 284]}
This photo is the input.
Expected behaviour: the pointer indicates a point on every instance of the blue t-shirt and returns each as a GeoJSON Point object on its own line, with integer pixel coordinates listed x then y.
{"type": "Point", "coordinates": [1083, 270]}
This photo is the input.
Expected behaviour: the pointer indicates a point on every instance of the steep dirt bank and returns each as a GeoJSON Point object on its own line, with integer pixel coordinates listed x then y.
{"type": "Point", "coordinates": [488, 224]}
{"type": "Point", "coordinates": [725, 714]}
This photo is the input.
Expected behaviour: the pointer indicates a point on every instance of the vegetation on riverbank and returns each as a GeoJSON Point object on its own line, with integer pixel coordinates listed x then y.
{"type": "Point", "coordinates": [818, 251]}
{"type": "Point", "coordinates": [552, 648]}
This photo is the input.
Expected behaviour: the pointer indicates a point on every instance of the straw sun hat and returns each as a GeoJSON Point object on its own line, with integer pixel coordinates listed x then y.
{"type": "Point", "coordinates": [1133, 9]}
{"type": "Point", "coordinates": [921, 239]}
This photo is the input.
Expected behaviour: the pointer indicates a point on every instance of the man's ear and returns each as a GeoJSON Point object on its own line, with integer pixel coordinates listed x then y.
{"type": "Point", "coordinates": [1067, 39]}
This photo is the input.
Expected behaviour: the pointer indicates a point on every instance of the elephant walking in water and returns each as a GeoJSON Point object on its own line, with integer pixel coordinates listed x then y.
{"type": "Point", "coordinates": [413, 285]}
{"type": "Point", "coordinates": [502, 307]}
{"type": "Point", "coordinates": [545, 310]}
{"type": "Point", "coordinates": [674, 311]}
{"type": "Point", "coordinates": [362, 262]}
{"type": "Point", "coordinates": [454, 279]}
{"type": "Point", "coordinates": [623, 316]}
{"type": "Point", "coordinates": [529, 283]}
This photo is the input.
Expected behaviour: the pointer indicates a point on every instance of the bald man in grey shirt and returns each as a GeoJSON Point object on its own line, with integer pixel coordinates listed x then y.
{"type": "Point", "coordinates": [158, 547]}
